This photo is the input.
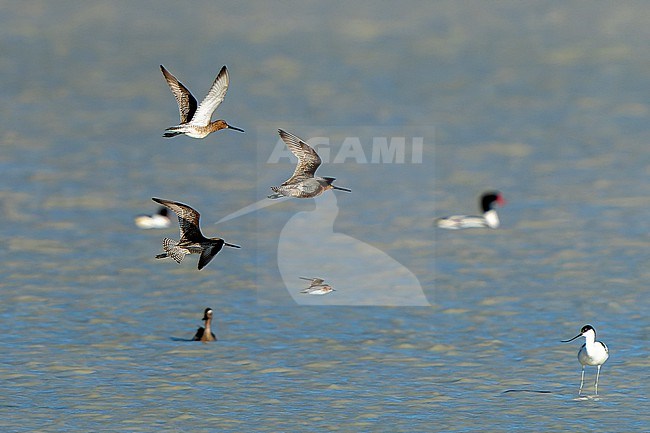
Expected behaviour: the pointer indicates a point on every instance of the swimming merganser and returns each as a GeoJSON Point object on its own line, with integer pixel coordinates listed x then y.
{"type": "Point", "coordinates": [489, 218]}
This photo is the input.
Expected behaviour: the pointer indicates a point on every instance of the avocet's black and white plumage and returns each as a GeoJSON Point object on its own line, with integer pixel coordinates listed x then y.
{"type": "Point", "coordinates": [159, 220]}
{"type": "Point", "coordinates": [489, 219]}
{"type": "Point", "coordinates": [192, 240]}
{"type": "Point", "coordinates": [303, 183]}
{"type": "Point", "coordinates": [591, 353]}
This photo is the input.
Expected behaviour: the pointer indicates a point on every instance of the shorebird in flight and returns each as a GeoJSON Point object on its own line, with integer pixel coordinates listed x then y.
{"type": "Point", "coordinates": [316, 287]}
{"type": "Point", "coordinates": [192, 240]}
{"type": "Point", "coordinates": [196, 122]}
{"type": "Point", "coordinates": [303, 183]}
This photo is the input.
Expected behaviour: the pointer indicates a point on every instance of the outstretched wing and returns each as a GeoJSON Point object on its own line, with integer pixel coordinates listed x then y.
{"type": "Point", "coordinates": [186, 102]}
{"type": "Point", "coordinates": [188, 219]}
{"type": "Point", "coordinates": [208, 253]}
{"type": "Point", "coordinates": [308, 159]}
{"type": "Point", "coordinates": [212, 99]}
{"type": "Point", "coordinates": [313, 281]}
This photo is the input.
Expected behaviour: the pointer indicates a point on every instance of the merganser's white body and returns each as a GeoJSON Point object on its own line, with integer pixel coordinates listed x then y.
{"type": "Point", "coordinates": [158, 220]}
{"type": "Point", "coordinates": [489, 219]}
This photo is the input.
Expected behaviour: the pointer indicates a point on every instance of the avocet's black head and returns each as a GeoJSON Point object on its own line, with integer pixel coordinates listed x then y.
{"type": "Point", "coordinates": [587, 328]}
{"type": "Point", "coordinates": [163, 211]}
{"type": "Point", "coordinates": [207, 314]}
{"type": "Point", "coordinates": [488, 199]}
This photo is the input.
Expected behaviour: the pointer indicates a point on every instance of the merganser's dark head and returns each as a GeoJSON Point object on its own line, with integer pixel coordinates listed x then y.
{"type": "Point", "coordinates": [489, 198]}
{"type": "Point", "coordinates": [207, 314]}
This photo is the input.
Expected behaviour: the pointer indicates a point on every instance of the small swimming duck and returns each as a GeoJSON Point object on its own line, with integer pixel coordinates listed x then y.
{"type": "Point", "coordinates": [205, 334]}
{"type": "Point", "coordinates": [196, 122]}
{"type": "Point", "coordinates": [159, 220]}
{"type": "Point", "coordinates": [489, 219]}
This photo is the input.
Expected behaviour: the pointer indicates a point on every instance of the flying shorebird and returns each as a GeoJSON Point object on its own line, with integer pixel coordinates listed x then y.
{"type": "Point", "coordinates": [316, 287]}
{"type": "Point", "coordinates": [591, 353]}
{"type": "Point", "coordinates": [205, 334]}
{"type": "Point", "coordinates": [303, 183]}
{"type": "Point", "coordinates": [192, 240]}
{"type": "Point", "coordinates": [196, 122]}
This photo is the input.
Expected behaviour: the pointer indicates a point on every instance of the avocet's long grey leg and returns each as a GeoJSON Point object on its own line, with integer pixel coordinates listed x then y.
{"type": "Point", "coordinates": [596, 384]}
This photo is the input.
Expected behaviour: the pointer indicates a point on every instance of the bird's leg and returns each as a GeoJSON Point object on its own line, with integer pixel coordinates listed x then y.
{"type": "Point", "coordinates": [582, 380]}
{"type": "Point", "coordinates": [596, 384]}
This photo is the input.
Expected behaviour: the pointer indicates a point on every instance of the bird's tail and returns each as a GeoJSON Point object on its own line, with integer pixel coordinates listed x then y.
{"type": "Point", "coordinates": [278, 194]}
{"type": "Point", "coordinates": [172, 131]}
{"type": "Point", "coordinates": [172, 250]}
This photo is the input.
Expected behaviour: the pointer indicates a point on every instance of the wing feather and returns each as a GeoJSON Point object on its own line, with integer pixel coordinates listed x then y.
{"type": "Point", "coordinates": [199, 334]}
{"type": "Point", "coordinates": [208, 253]}
{"type": "Point", "coordinates": [186, 102]}
{"type": "Point", "coordinates": [188, 219]}
{"type": "Point", "coordinates": [212, 100]}
{"type": "Point", "coordinates": [308, 159]}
